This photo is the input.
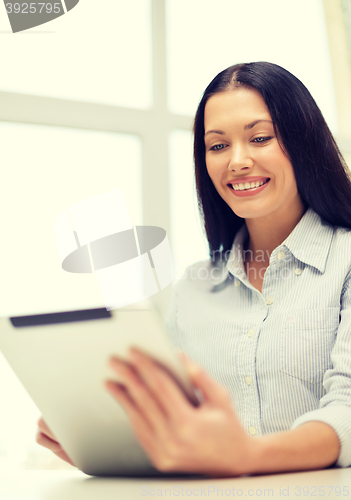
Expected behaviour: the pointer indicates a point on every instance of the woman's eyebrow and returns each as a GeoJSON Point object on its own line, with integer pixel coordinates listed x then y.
{"type": "Point", "coordinates": [252, 124]}
{"type": "Point", "coordinates": [215, 132]}
{"type": "Point", "coordinates": [246, 127]}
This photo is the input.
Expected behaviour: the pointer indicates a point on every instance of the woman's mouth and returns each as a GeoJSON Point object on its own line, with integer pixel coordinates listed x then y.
{"type": "Point", "coordinates": [248, 188]}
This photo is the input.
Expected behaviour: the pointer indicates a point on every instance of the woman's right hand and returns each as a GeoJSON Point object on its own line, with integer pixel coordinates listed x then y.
{"type": "Point", "coordinates": [46, 438]}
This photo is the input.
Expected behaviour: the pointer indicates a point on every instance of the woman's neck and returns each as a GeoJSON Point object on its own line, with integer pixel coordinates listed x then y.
{"type": "Point", "coordinates": [267, 233]}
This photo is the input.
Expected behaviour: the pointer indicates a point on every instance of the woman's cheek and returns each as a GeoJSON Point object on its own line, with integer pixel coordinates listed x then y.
{"type": "Point", "coordinates": [214, 169]}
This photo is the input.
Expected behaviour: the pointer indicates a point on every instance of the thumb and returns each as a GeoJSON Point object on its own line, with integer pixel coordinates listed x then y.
{"type": "Point", "coordinates": [213, 392]}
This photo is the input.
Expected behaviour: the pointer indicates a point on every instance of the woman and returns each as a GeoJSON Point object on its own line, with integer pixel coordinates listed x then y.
{"type": "Point", "coordinates": [269, 316]}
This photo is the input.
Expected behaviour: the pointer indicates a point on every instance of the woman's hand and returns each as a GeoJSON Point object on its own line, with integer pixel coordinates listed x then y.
{"type": "Point", "coordinates": [208, 439]}
{"type": "Point", "coordinates": [46, 438]}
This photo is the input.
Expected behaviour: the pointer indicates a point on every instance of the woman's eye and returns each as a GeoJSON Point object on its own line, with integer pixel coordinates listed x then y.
{"type": "Point", "coordinates": [259, 140]}
{"type": "Point", "coordinates": [217, 147]}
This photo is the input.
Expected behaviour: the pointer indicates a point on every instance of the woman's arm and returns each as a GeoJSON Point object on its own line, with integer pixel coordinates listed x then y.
{"type": "Point", "coordinates": [209, 439]}
{"type": "Point", "coordinates": [313, 445]}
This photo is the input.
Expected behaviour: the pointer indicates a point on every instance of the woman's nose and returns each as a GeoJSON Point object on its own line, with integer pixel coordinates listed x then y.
{"type": "Point", "coordinates": [239, 159]}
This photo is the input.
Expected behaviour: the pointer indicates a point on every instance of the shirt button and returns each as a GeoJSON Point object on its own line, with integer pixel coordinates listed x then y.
{"type": "Point", "coordinates": [248, 380]}
{"type": "Point", "coordinates": [252, 430]}
{"type": "Point", "coordinates": [237, 283]}
{"type": "Point", "coordinates": [280, 255]}
{"type": "Point", "coordinates": [269, 301]}
{"type": "Point", "coordinates": [298, 271]}
{"type": "Point", "coordinates": [251, 333]}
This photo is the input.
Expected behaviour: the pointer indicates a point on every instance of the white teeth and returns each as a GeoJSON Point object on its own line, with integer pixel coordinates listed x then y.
{"type": "Point", "coordinates": [247, 185]}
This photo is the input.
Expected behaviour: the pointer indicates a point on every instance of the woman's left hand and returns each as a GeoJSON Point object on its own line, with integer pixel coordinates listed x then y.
{"type": "Point", "coordinates": [208, 439]}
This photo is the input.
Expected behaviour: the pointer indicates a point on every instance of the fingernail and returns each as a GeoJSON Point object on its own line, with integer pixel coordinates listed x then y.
{"type": "Point", "coordinates": [116, 364]}
{"type": "Point", "coordinates": [108, 385]}
{"type": "Point", "coordinates": [116, 360]}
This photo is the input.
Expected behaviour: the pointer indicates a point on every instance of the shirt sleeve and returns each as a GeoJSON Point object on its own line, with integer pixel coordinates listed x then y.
{"type": "Point", "coordinates": [335, 406]}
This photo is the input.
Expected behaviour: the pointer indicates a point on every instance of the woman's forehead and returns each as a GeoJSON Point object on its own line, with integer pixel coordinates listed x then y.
{"type": "Point", "coordinates": [239, 105]}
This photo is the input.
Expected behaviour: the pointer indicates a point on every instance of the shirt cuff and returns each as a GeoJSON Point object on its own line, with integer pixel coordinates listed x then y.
{"type": "Point", "coordinates": [339, 418]}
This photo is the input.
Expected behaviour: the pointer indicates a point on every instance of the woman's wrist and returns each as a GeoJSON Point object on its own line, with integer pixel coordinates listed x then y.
{"type": "Point", "coordinates": [250, 458]}
{"type": "Point", "coordinates": [313, 445]}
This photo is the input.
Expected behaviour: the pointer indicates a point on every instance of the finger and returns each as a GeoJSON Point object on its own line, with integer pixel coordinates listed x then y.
{"type": "Point", "coordinates": [142, 397]}
{"type": "Point", "coordinates": [53, 446]}
{"type": "Point", "coordinates": [140, 427]}
{"type": "Point", "coordinates": [45, 429]}
{"type": "Point", "coordinates": [213, 392]}
{"type": "Point", "coordinates": [123, 397]}
{"type": "Point", "coordinates": [48, 443]}
{"type": "Point", "coordinates": [147, 402]}
{"type": "Point", "coordinates": [169, 395]}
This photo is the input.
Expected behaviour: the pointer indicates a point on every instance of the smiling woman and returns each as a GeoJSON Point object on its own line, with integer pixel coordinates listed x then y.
{"type": "Point", "coordinates": [248, 167]}
{"type": "Point", "coordinates": [267, 318]}
{"type": "Point", "coordinates": [241, 154]}
{"type": "Point", "coordinates": [297, 126]}
{"type": "Point", "coordinates": [272, 323]}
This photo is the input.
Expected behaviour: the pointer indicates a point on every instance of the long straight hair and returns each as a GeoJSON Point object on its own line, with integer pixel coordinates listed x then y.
{"type": "Point", "coordinates": [321, 173]}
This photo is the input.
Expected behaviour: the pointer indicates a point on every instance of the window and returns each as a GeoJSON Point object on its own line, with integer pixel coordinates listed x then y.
{"type": "Point", "coordinates": [48, 169]}
{"type": "Point", "coordinates": [85, 56]}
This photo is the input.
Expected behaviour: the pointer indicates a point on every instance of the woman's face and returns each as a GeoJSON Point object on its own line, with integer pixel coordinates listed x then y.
{"type": "Point", "coordinates": [244, 159]}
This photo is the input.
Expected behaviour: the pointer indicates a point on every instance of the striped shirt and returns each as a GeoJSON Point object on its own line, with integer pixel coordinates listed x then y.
{"type": "Point", "coordinates": [284, 354]}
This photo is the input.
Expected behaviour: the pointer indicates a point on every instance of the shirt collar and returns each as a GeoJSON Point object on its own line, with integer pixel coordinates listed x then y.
{"type": "Point", "coordinates": [309, 242]}
{"type": "Point", "coordinates": [235, 264]}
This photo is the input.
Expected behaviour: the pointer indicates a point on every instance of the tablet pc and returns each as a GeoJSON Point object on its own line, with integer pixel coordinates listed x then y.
{"type": "Point", "coordinates": [61, 359]}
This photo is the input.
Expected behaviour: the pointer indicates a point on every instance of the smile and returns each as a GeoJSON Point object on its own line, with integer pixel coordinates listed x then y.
{"type": "Point", "coordinates": [248, 185]}
{"type": "Point", "coordinates": [248, 188]}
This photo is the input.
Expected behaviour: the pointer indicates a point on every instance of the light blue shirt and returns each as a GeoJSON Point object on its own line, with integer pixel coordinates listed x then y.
{"type": "Point", "coordinates": [284, 354]}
